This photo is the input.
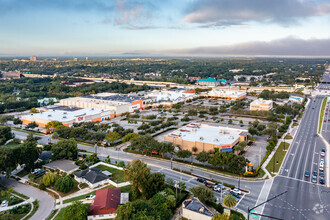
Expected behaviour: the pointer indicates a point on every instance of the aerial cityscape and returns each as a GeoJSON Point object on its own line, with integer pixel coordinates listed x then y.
{"type": "Point", "coordinates": [164, 110]}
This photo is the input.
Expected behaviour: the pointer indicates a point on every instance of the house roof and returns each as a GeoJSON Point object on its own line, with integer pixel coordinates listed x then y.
{"type": "Point", "coordinates": [106, 201]}
{"type": "Point", "coordinates": [93, 175]}
{"type": "Point", "coordinates": [63, 165]}
{"type": "Point", "coordinates": [197, 206]}
{"type": "Point", "coordinates": [45, 155]}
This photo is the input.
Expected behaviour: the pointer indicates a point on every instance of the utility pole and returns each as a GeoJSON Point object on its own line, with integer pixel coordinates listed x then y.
{"type": "Point", "coordinates": [171, 162]}
{"type": "Point", "coordinates": [239, 180]}
{"type": "Point", "coordinates": [251, 209]}
{"type": "Point", "coordinates": [274, 162]}
{"type": "Point", "coordinates": [95, 146]}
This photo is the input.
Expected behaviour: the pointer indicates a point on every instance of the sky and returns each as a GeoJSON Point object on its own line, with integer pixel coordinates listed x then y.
{"type": "Point", "coordinates": [165, 27]}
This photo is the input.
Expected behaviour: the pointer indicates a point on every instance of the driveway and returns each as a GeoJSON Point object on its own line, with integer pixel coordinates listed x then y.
{"type": "Point", "coordinates": [46, 202]}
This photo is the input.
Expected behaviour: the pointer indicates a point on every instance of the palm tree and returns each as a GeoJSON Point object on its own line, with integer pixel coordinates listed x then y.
{"type": "Point", "coordinates": [229, 201]}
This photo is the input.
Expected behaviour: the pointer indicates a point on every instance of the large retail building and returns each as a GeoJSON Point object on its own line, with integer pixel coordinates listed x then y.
{"type": "Point", "coordinates": [68, 116]}
{"type": "Point", "coordinates": [205, 137]}
{"type": "Point", "coordinates": [119, 103]}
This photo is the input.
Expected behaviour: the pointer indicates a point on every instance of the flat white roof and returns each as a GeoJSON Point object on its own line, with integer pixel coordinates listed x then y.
{"type": "Point", "coordinates": [229, 93]}
{"type": "Point", "coordinates": [66, 116]}
{"type": "Point", "coordinates": [261, 101]}
{"type": "Point", "coordinates": [204, 133]}
{"type": "Point", "coordinates": [176, 95]}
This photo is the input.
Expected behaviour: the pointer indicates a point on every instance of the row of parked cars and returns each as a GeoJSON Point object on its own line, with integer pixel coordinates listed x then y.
{"type": "Point", "coordinates": [219, 187]}
{"type": "Point", "coordinates": [321, 170]}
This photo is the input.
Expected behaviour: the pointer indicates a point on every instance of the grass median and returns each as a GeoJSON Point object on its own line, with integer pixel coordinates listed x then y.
{"type": "Point", "coordinates": [277, 158]}
{"type": "Point", "coordinates": [322, 113]}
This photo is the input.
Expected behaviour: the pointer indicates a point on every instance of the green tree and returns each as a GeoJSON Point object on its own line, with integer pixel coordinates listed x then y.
{"type": "Point", "coordinates": [32, 125]}
{"type": "Point", "coordinates": [5, 134]}
{"type": "Point", "coordinates": [202, 157]}
{"type": "Point", "coordinates": [203, 193]}
{"type": "Point", "coordinates": [64, 184]}
{"type": "Point", "coordinates": [65, 149]}
{"type": "Point", "coordinates": [112, 136]}
{"type": "Point", "coordinates": [30, 153]}
{"type": "Point", "coordinates": [182, 186]}
{"type": "Point", "coordinates": [129, 136]}
{"type": "Point", "coordinates": [229, 201]}
{"type": "Point", "coordinates": [55, 135]}
{"type": "Point", "coordinates": [34, 110]}
{"type": "Point", "coordinates": [183, 153]}
{"type": "Point", "coordinates": [17, 121]}
{"type": "Point", "coordinates": [253, 131]}
{"type": "Point", "coordinates": [49, 178]}
{"type": "Point", "coordinates": [76, 211]}
{"type": "Point", "coordinates": [53, 124]}
{"type": "Point", "coordinates": [222, 216]}
{"type": "Point", "coordinates": [137, 173]}
{"type": "Point", "coordinates": [154, 184]}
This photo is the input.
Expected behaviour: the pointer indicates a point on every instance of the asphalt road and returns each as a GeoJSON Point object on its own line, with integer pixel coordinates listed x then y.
{"type": "Point", "coordinates": [46, 202]}
{"type": "Point", "coordinates": [304, 199]}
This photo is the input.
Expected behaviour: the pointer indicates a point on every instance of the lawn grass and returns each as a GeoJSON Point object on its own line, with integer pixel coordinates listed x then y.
{"type": "Point", "coordinates": [288, 137]}
{"type": "Point", "coordinates": [51, 215]}
{"type": "Point", "coordinates": [322, 113]}
{"type": "Point", "coordinates": [278, 157]}
{"type": "Point", "coordinates": [261, 173]}
{"type": "Point", "coordinates": [59, 216]}
{"type": "Point", "coordinates": [12, 144]}
{"type": "Point", "coordinates": [28, 132]}
{"type": "Point", "coordinates": [117, 175]}
{"type": "Point", "coordinates": [35, 209]}
{"type": "Point", "coordinates": [123, 189]}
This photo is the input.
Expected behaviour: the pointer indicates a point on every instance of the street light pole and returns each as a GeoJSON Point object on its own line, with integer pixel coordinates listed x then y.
{"type": "Point", "coordinates": [251, 209]}
{"type": "Point", "coordinates": [239, 181]}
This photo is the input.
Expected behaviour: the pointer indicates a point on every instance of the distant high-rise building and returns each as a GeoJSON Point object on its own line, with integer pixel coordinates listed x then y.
{"type": "Point", "coordinates": [33, 58]}
{"type": "Point", "coordinates": [86, 58]}
{"type": "Point", "coordinates": [75, 59]}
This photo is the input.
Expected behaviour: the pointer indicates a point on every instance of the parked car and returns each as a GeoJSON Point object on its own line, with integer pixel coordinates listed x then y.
{"type": "Point", "coordinates": [218, 187]}
{"type": "Point", "coordinates": [234, 194]}
{"type": "Point", "coordinates": [209, 185]}
{"type": "Point", "coordinates": [322, 154]}
{"type": "Point", "coordinates": [4, 203]}
{"type": "Point", "coordinates": [91, 196]}
{"type": "Point", "coordinates": [314, 179]}
{"type": "Point", "coordinates": [321, 174]}
{"type": "Point", "coordinates": [235, 190]}
{"type": "Point", "coordinates": [306, 173]}
{"type": "Point", "coordinates": [322, 180]}
{"type": "Point", "coordinates": [314, 173]}
{"type": "Point", "coordinates": [201, 179]}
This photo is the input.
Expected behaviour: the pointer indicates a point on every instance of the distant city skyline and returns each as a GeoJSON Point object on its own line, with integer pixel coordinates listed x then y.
{"type": "Point", "coordinates": [165, 28]}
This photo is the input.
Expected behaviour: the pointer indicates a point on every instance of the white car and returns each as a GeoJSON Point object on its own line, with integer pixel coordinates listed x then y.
{"type": "Point", "coordinates": [91, 196]}
{"type": "Point", "coordinates": [322, 154]}
{"type": "Point", "coordinates": [235, 190]}
{"type": "Point", "coordinates": [4, 203]}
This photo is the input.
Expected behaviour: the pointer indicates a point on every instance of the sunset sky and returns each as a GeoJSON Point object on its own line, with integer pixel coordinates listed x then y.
{"type": "Point", "coordinates": [164, 27]}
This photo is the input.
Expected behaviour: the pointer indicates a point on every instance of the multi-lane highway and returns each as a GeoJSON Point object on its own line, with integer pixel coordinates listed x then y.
{"type": "Point", "coordinates": [304, 199]}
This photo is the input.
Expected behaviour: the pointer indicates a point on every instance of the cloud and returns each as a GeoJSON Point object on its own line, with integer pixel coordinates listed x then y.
{"type": "Point", "coordinates": [214, 13]}
{"type": "Point", "coordinates": [130, 14]}
{"type": "Point", "coordinates": [283, 47]}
